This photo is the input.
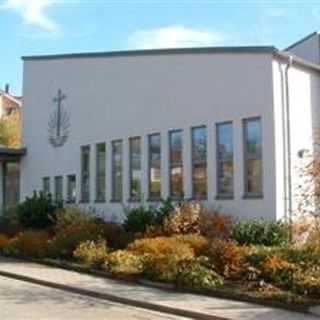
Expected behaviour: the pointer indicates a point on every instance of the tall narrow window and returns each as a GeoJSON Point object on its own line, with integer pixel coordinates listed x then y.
{"type": "Point", "coordinates": [58, 188]}
{"type": "Point", "coordinates": [46, 185]}
{"type": "Point", "coordinates": [224, 160]}
{"type": "Point", "coordinates": [154, 166]}
{"type": "Point", "coordinates": [85, 174]}
{"type": "Point", "coordinates": [117, 170]}
{"type": "Point", "coordinates": [101, 172]}
{"type": "Point", "coordinates": [253, 157]}
{"type": "Point", "coordinates": [135, 168]}
{"type": "Point", "coordinates": [71, 188]}
{"type": "Point", "coordinates": [199, 162]}
{"type": "Point", "coordinates": [176, 164]}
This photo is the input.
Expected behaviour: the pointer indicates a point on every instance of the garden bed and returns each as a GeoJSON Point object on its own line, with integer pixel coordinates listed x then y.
{"type": "Point", "coordinates": [231, 290]}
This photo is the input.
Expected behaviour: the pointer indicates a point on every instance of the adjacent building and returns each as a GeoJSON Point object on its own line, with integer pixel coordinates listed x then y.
{"type": "Point", "coordinates": [224, 125]}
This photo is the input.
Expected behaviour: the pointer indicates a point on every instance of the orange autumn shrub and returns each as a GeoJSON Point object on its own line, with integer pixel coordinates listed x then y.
{"type": "Point", "coordinates": [4, 240]}
{"type": "Point", "coordinates": [32, 243]}
{"type": "Point", "coordinates": [227, 257]}
{"type": "Point", "coordinates": [214, 224]}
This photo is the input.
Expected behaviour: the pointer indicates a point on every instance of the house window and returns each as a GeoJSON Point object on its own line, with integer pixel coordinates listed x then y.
{"type": "Point", "coordinates": [135, 168]}
{"type": "Point", "coordinates": [101, 172]}
{"type": "Point", "coordinates": [199, 162]}
{"type": "Point", "coordinates": [46, 185]}
{"type": "Point", "coordinates": [85, 174]}
{"type": "Point", "coordinates": [176, 164]}
{"type": "Point", "coordinates": [154, 166]}
{"type": "Point", "coordinates": [117, 170]}
{"type": "Point", "coordinates": [252, 157]}
{"type": "Point", "coordinates": [71, 188]}
{"type": "Point", "coordinates": [58, 188]}
{"type": "Point", "coordinates": [224, 153]}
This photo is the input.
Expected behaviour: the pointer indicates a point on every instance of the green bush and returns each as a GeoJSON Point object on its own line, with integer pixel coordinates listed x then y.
{"type": "Point", "coordinates": [195, 274]}
{"type": "Point", "coordinates": [123, 262]}
{"type": "Point", "coordinates": [37, 212]}
{"type": "Point", "coordinates": [91, 253]}
{"type": "Point", "coordinates": [260, 232]}
{"type": "Point", "coordinates": [137, 219]}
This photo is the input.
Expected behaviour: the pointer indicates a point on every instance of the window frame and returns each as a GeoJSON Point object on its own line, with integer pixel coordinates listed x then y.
{"type": "Point", "coordinates": [196, 197]}
{"type": "Point", "coordinates": [69, 200]}
{"type": "Point", "coordinates": [56, 179]}
{"type": "Point", "coordinates": [113, 198]}
{"type": "Point", "coordinates": [44, 180]}
{"type": "Point", "coordinates": [101, 199]}
{"type": "Point", "coordinates": [219, 195]}
{"type": "Point", "coordinates": [154, 198]}
{"type": "Point", "coordinates": [174, 165]}
{"type": "Point", "coordinates": [131, 197]}
{"type": "Point", "coordinates": [246, 194]}
{"type": "Point", "coordinates": [82, 191]}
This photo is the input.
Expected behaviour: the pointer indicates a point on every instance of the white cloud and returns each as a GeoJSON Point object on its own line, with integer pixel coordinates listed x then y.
{"type": "Point", "coordinates": [33, 12]}
{"type": "Point", "coordinates": [174, 36]}
{"type": "Point", "coordinates": [276, 12]}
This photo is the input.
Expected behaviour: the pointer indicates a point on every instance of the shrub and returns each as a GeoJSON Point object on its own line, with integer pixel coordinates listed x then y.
{"type": "Point", "coordinates": [162, 256]}
{"type": "Point", "coordinates": [4, 240]}
{"type": "Point", "coordinates": [37, 212]}
{"type": "Point", "coordinates": [227, 257]}
{"type": "Point", "coordinates": [184, 220]}
{"type": "Point", "coordinates": [260, 232]}
{"type": "Point", "coordinates": [137, 219]}
{"type": "Point", "coordinates": [214, 224]}
{"type": "Point", "coordinates": [196, 242]}
{"type": "Point", "coordinates": [74, 225]}
{"type": "Point", "coordinates": [195, 274]}
{"type": "Point", "coordinates": [277, 270]}
{"type": "Point", "coordinates": [307, 282]}
{"type": "Point", "coordinates": [123, 262]}
{"type": "Point", "coordinates": [31, 243]}
{"type": "Point", "coordinates": [92, 253]}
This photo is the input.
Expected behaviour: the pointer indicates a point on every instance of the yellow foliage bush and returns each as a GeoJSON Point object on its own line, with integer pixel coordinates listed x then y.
{"type": "Point", "coordinates": [123, 262]}
{"type": "Point", "coordinates": [162, 255]}
{"type": "Point", "coordinates": [91, 252]}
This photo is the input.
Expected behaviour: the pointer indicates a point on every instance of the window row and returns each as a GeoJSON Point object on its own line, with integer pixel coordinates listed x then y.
{"type": "Point", "coordinates": [252, 147]}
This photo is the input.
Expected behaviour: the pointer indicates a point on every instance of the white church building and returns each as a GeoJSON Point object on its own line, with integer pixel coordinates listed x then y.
{"type": "Point", "coordinates": [224, 125]}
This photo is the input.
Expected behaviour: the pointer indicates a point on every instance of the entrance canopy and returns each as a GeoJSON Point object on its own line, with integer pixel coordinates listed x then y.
{"type": "Point", "coordinates": [11, 154]}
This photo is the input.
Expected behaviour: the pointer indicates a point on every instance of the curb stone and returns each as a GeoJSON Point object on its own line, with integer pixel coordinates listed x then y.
{"type": "Point", "coordinates": [114, 298]}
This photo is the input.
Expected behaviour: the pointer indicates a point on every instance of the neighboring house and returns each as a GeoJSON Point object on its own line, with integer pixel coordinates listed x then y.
{"type": "Point", "coordinates": [225, 125]}
{"type": "Point", "coordinates": [9, 103]}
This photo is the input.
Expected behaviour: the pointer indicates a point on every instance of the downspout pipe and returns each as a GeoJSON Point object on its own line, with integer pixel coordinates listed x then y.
{"type": "Point", "coordinates": [288, 142]}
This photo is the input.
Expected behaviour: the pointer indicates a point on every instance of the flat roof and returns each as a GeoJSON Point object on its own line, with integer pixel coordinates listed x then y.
{"type": "Point", "coordinates": [12, 152]}
{"type": "Point", "coordinates": [148, 52]}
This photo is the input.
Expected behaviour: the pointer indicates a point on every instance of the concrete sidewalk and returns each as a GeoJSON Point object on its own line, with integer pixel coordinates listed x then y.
{"type": "Point", "coordinates": [183, 304]}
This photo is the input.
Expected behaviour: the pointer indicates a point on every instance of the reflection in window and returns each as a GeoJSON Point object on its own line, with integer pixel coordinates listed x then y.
{"type": "Point", "coordinates": [199, 162]}
{"type": "Point", "coordinates": [224, 159]}
{"type": "Point", "coordinates": [154, 166]}
{"type": "Point", "coordinates": [253, 157]}
{"type": "Point", "coordinates": [71, 188]}
{"type": "Point", "coordinates": [58, 188]}
{"type": "Point", "coordinates": [85, 174]}
{"type": "Point", "coordinates": [100, 172]}
{"type": "Point", "coordinates": [176, 164]}
{"type": "Point", "coordinates": [135, 168]}
{"type": "Point", "coordinates": [117, 170]}
{"type": "Point", "coordinates": [46, 185]}
{"type": "Point", "coordinates": [11, 183]}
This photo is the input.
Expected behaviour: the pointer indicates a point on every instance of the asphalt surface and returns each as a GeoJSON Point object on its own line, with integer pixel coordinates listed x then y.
{"type": "Point", "coordinates": [20, 300]}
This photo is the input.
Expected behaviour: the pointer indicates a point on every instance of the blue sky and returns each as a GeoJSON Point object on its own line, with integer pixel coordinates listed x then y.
{"type": "Point", "coordinates": [31, 27]}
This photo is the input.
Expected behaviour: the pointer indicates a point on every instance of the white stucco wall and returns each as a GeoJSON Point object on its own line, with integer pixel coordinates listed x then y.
{"type": "Point", "coordinates": [120, 97]}
{"type": "Point", "coordinates": [304, 101]}
{"type": "Point", "coordinates": [308, 49]}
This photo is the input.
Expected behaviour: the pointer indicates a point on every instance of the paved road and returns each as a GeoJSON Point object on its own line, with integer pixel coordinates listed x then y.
{"type": "Point", "coordinates": [24, 301]}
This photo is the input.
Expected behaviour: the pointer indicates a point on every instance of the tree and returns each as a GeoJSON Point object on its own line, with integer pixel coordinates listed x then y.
{"type": "Point", "coordinates": [10, 130]}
